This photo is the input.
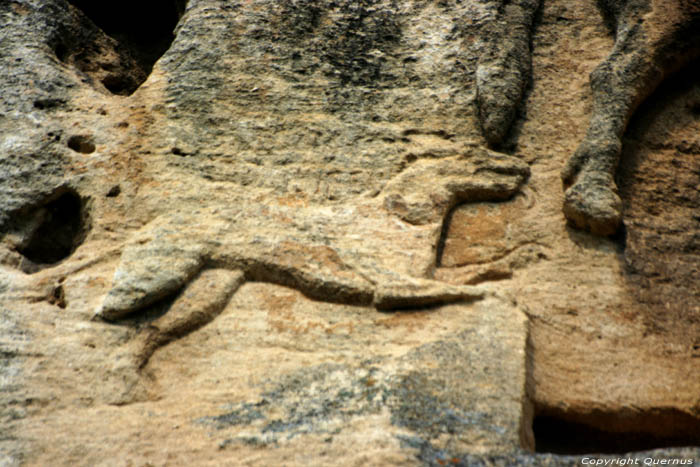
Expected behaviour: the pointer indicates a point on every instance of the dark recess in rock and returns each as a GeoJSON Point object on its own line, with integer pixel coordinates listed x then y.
{"type": "Point", "coordinates": [120, 85]}
{"type": "Point", "coordinates": [58, 297]}
{"type": "Point", "coordinates": [60, 232]}
{"type": "Point", "coordinates": [61, 52]}
{"type": "Point", "coordinates": [114, 191]}
{"type": "Point", "coordinates": [593, 433]}
{"type": "Point", "coordinates": [48, 103]}
{"type": "Point", "coordinates": [694, 108]}
{"type": "Point", "coordinates": [82, 144]}
{"type": "Point", "coordinates": [144, 30]}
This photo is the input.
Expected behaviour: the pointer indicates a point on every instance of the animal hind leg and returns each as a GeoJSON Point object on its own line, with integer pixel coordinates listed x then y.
{"type": "Point", "coordinates": [201, 301]}
{"type": "Point", "coordinates": [631, 72]}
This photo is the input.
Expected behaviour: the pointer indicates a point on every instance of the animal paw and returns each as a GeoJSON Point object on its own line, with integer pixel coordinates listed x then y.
{"type": "Point", "coordinates": [427, 190]}
{"type": "Point", "coordinates": [592, 203]}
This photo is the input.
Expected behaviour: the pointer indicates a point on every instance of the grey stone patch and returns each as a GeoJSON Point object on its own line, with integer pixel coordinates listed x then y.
{"type": "Point", "coordinates": [430, 456]}
{"type": "Point", "coordinates": [312, 398]}
{"type": "Point", "coordinates": [345, 49]}
{"type": "Point", "coordinates": [13, 348]}
{"type": "Point", "coordinates": [461, 379]}
{"type": "Point", "coordinates": [443, 392]}
{"type": "Point", "coordinates": [8, 461]}
{"type": "Point", "coordinates": [317, 400]}
{"type": "Point", "coordinates": [246, 414]}
{"type": "Point", "coordinates": [5, 283]}
{"type": "Point", "coordinates": [416, 408]}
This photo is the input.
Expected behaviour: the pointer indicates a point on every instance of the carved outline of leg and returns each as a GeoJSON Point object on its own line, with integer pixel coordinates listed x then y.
{"type": "Point", "coordinates": [504, 68]}
{"type": "Point", "coordinates": [154, 265]}
{"type": "Point", "coordinates": [619, 85]}
{"type": "Point", "coordinates": [198, 304]}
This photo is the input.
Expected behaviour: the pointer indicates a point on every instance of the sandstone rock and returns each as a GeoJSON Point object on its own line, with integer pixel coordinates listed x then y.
{"type": "Point", "coordinates": [503, 72]}
{"type": "Point", "coordinates": [641, 58]}
{"type": "Point", "coordinates": [283, 232]}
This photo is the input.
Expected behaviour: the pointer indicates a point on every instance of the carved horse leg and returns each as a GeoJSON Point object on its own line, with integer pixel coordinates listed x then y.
{"type": "Point", "coordinates": [653, 39]}
{"type": "Point", "coordinates": [504, 67]}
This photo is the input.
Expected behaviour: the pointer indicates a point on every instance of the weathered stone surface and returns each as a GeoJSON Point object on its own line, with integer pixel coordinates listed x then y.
{"type": "Point", "coordinates": [652, 40]}
{"type": "Point", "coordinates": [503, 73]}
{"type": "Point", "coordinates": [276, 234]}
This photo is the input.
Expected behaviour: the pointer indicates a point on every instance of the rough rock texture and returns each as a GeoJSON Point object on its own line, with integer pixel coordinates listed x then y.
{"type": "Point", "coordinates": [282, 233]}
{"type": "Point", "coordinates": [652, 40]}
{"type": "Point", "coordinates": [503, 73]}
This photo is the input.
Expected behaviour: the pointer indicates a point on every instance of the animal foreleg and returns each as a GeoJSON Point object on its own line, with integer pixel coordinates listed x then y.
{"type": "Point", "coordinates": [504, 67]}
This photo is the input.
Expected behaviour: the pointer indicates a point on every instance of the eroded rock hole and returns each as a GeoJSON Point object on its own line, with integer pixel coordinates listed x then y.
{"type": "Point", "coordinates": [114, 191]}
{"type": "Point", "coordinates": [60, 231]}
{"type": "Point", "coordinates": [143, 31]}
{"type": "Point", "coordinates": [61, 52]}
{"type": "Point", "coordinates": [58, 297]}
{"type": "Point", "coordinates": [82, 144]}
{"type": "Point", "coordinates": [48, 103]}
{"type": "Point", "coordinates": [694, 108]}
{"type": "Point", "coordinates": [120, 85]}
{"type": "Point", "coordinates": [611, 433]}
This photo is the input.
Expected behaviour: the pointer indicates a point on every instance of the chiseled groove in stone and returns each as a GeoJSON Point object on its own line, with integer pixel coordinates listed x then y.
{"type": "Point", "coordinates": [333, 290]}
{"type": "Point", "coordinates": [527, 436]}
{"type": "Point", "coordinates": [199, 303]}
{"type": "Point", "coordinates": [422, 294]}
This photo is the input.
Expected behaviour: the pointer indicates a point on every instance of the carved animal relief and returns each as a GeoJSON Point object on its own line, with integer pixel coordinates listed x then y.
{"type": "Point", "coordinates": [228, 201]}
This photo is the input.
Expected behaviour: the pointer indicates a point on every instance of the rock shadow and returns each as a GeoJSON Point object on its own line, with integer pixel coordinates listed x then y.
{"type": "Point", "coordinates": [52, 231]}
{"type": "Point", "coordinates": [141, 33]}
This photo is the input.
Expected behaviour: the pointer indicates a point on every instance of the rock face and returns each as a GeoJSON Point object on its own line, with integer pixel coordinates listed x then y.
{"type": "Point", "coordinates": [330, 232]}
{"type": "Point", "coordinates": [652, 40]}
